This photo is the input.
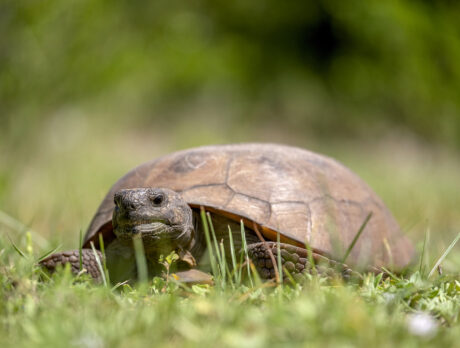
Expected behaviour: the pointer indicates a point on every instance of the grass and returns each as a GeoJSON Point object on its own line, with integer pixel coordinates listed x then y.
{"type": "Point", "coordinates": [48, 193]}
{"type": "Point", "coordinates": [416, 310]}
{"type": "Point", "coordinates": [69, 311]}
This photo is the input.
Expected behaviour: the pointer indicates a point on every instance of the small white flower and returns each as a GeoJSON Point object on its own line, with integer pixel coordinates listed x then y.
{"type": "Point", "coordinates": [389, 297]}
{"type": "Point", "coordinates": [422, 324]}
{"type": "Point", "coordinates": [89, 341]}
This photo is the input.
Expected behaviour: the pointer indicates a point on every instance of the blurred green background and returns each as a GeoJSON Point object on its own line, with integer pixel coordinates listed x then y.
{"type": "Point", "coordinates": [89, 89]}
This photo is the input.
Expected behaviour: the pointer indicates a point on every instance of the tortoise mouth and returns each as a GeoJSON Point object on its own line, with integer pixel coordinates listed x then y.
{"type": "Point", "coordinates": [153, 233]}
{"type": "Point", "coordinates": [145, 227]}
{"type": "Point", "coordinates": [157, 237]}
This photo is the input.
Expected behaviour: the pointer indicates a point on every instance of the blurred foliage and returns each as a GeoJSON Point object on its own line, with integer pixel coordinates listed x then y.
{"type": "Point", "coordinates": [330, 67]}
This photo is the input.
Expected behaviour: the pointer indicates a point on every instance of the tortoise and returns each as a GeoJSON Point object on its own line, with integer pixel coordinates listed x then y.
{"type": "Point", "coordinates": [307, 199]}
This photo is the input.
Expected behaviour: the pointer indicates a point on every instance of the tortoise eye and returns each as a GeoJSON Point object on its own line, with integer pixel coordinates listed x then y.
{"type": "Point", "coordinates": [158, 199]}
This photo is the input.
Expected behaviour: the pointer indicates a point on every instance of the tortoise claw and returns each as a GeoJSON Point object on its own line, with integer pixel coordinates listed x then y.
{"type": "Point", "coordinates": [187, 257]}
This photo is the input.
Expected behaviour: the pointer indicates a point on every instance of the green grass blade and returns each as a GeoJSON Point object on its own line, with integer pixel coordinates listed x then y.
{"type": "Point", "coordinates": [220, 254]}
{"type": "Point", "coordinates": [444, 255]}
{"type": "Point", "coordinates": [104, 263]}
{"type": "Point", "coordinates": [378, 278]}
{"type": "Point", "coordinates": [208, 242]}
{"type": "Point", "coordinates": [223, 265]}
{"type": "Point", "coordinates": [141, 261]}
{"type": "Point", "coordinates": [290, 277]}
{"type": "Point", "coordinates": [280, 268]}
{"type": "Point", "coordinates": [245, 250]}
{"type": "Point", "coordinates": [358, 234]}
{"type": "Point", "coordinates": [233, 256]}
{"type": "Point", "coordinates": [48, 253]}
{"type": "Point", "coordinates": [215, 242]}
{"type": "Point", "coordinates": [99, 264]}
{"type": "Point", "coordinates": [19, 251]}
{"type": "Point", "coordinates": [391, 274]}
{"type": "Point", "coordinates": [422, 255]}
{"type": "Point", "coordinates": [254, 274]}
{"type": "Point", "coordinates": [80, 250]}
{"type": "Point", "coordinates": [29, 246]}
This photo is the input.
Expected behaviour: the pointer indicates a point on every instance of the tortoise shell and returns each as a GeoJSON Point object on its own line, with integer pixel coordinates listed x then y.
{"type": "Point", "coordinates": [303, 196]}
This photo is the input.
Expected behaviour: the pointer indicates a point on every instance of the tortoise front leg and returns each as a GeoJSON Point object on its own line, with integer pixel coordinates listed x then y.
{"type": "Point", "coordinates": [72, 257]}
{"type": "Point", "coordinates": [293, 259]}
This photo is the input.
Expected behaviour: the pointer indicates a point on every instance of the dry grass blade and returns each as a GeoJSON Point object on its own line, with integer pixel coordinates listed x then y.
{"type": "Point", "coordinates": [116, 286]}
{"type": "Point", "coordinates": [358, 234]}
{"type": "Point", "coordinates": [444, 255]}
{"type": "Point", "coordinates": [272, 257]}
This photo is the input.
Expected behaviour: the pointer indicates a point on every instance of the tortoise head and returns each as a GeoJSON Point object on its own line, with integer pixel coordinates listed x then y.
{"type": "Point", "coordinates": [160, 216]}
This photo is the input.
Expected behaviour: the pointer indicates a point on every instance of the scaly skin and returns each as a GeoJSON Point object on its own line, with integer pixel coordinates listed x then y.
{"type": "Point", "coordinates": [294, 260]}
{"type": "Point", "coordinates": [72, 257]}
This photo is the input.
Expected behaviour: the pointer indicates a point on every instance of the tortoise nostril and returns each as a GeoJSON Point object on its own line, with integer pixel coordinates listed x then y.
{"type": "Point", "coordinates": [122, 201]}
{"type": "Point", "coordinates": [117, 200]}
{"type": "Point", "coordinates": [126, 201]}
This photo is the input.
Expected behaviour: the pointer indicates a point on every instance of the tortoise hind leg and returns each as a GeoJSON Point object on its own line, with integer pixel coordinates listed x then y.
{"type": "Point", "coordinates": [294, 260]}
{"type": "Point", "coordinates": [72, 257]}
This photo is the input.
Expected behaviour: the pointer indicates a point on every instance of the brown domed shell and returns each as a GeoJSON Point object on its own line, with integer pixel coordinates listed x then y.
{"type": "Point", "coordinates": [306, 197]}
